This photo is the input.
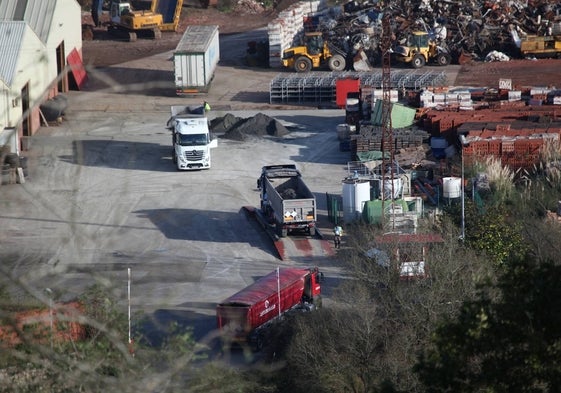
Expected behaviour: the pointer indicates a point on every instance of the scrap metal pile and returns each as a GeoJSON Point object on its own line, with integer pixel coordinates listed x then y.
{"type": "Point", "coordinates": [470, 28]}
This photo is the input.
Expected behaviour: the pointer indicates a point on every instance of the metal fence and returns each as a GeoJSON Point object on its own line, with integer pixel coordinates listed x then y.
{"type": "Point", "coordinates": [320, 87]}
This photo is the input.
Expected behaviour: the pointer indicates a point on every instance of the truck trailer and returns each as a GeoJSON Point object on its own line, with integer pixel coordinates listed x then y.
{"type": "Point", "coordinates": [242, 317]}
{"type": "Point", "coordinates": [195, 59]}
{"type": "Point", "coordinates": [286, 201]}
{"type": "Point", "coordinates": [191, 138]}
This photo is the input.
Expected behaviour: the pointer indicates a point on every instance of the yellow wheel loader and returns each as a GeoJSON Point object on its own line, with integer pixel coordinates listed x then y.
{"type": "Point", "coordinates": [314, 53]}
{"type": "Point", "coordinates": [420, 49]}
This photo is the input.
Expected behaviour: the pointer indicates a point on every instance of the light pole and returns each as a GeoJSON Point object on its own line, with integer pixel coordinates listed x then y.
{"type": "Point", "coordinates": [50, 294]}
{"type": "Point", "coordinates": [463, 142]}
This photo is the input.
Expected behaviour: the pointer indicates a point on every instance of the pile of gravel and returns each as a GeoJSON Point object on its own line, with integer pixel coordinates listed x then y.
{"type": "Point", "coordinates": [240, 129]}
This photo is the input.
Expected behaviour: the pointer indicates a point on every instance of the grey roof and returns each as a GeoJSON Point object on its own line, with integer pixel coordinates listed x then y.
{"type": "Point", "coordinates": [37, 13]}
{"type": "Point", "coordinates": [11, 36]}
{"type": "Point", "coordinates": [196, 39]}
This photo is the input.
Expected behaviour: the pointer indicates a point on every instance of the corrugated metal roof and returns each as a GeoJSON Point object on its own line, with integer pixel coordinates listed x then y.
{"type": "Point", "coordinates": [11, 36]}
{"type": "Point", "coordinates": [8, 10]}
{"type": "Point", "coordinates": [37, 13]}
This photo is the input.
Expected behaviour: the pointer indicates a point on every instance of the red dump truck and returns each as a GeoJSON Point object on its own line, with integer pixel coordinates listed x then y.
{"type": "Point", "coordinates": [243, 316]}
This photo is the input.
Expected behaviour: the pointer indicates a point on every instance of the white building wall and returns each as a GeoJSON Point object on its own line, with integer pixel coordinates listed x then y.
{"type": "Point", "coordinates": [4, 107]}
{"type": "Point", "coordinates": [32, 68]}
{"type": "Point", "coordinates": [36, 63]}
{"type": "Point", "coordinates": [66, 26]}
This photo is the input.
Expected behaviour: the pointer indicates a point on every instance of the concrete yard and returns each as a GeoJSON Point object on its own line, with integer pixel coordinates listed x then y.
{"type": "Point", "coordinates": [102, 194]}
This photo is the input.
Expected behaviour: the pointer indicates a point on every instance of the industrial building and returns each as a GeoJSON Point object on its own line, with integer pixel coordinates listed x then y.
{"type": "Point", "coordinates": [41, 46]}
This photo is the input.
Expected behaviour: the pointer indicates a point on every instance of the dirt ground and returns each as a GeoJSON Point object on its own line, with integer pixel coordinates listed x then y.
{"type": "Point", "coordinates": [104, 51]}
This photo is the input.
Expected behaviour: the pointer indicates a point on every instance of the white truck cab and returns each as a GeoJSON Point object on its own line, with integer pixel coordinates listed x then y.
{"type": "Point", "coordinates": [192, 141]}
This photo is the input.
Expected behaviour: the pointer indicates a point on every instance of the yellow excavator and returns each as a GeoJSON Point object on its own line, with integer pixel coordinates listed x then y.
{"type": "Point", "coordinates": [314, 53]}
{"type": "Point", "coordinates": [128, 23]}
{"type": "Point", "coordinates": [419, 49]}
{"type": "Point", "coordinates": [541, 46]}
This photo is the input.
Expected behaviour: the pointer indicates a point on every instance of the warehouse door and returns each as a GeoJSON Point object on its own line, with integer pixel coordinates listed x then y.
{"type": "Point", "coordinates": [61, 69]}
{"type": "Point", "coordinates": [26, 117]}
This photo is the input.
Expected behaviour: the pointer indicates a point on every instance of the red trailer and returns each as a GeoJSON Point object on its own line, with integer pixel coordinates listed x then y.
{"type": "Point", "coordinates": [241, 316]}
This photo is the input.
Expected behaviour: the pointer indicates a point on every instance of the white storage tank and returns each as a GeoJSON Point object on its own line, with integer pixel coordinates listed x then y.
{"type": "Point", "coordinates": [355, 193]}
{"type": "Point", "coordinates": [452, 187]}
{"type": "Point", "coordinates": [195, 59]}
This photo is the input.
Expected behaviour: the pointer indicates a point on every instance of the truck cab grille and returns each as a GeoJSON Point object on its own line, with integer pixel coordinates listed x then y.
{"type": "Point", "coordinates": [194, 155]}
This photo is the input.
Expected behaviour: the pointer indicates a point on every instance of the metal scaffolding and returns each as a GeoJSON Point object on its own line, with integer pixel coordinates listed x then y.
{"type": "Point", "coordinates": [319, 87]}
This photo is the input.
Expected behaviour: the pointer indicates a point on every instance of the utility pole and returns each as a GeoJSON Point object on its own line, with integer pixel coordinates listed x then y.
{"type": "Point", "coordinates": [387, 131]}
{"type": "Point", "coordinates": [464, 142]}
{"type": "Point", "coordinates": [50, 294]}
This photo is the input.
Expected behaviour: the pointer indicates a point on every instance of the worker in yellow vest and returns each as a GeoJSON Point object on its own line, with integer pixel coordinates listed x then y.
{"type": "Point", "coordinates": [206, 107]}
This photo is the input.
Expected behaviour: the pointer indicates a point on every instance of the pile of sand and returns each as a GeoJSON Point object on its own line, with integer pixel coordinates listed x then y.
{"type": "Point", "coordinates": [240, 129]}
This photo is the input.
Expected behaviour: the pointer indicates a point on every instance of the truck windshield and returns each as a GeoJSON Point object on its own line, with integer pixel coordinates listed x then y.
{"type": "Point", "coordinates": [193, 139]}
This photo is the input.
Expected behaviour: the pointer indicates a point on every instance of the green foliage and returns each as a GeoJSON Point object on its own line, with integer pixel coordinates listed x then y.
{"type": "Point", "coordinates": [511, 343]}
{"type": "Point", "coordinates": [493, 231]}
{"type": "Point", "coordinates": [217, 377]}
{"type": "Point", "coordinates": [496, 233]}
{"type": "Point", "coordinates": [107, 326]}
{"type": "Point", "coordinates": [368, 340]}
{"type": "Point", "coordinates": [539, 190]}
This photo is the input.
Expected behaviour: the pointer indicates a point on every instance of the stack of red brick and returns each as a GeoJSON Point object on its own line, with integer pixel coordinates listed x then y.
{"type": "Point", "coordinates": [509, 131]}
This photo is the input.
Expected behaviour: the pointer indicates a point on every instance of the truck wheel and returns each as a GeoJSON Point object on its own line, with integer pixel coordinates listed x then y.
{"type": "Point", "coordinates": [336, 63]}
{"type": "Point", "coordinates": [157, 33]}
{"type": "Point", "coordinates": [174, 158]}
{"type": "Point", "coordinates": [302, 64]}
{"type": "Point", "coordinates": [443, 59]}
{"type": "Point", "coordinates": [418, 61]}
{"type": "Point", "coordinates": [312, 231]}
{"type": "Point", "coordinates": [132, 36]}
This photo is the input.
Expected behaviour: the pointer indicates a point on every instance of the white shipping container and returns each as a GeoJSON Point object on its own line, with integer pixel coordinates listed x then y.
{"type": "Point", "coordinates": [195, 59]}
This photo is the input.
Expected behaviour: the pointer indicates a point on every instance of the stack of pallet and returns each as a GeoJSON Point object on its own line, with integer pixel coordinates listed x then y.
{"type": "Point", "coordinates": [288, 27]}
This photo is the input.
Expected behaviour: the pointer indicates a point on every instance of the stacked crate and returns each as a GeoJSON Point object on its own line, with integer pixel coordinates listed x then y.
{"type": "Point", "coordinates": [430, 99]}
{"type": "Point", "coordinates": [286, 30]}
